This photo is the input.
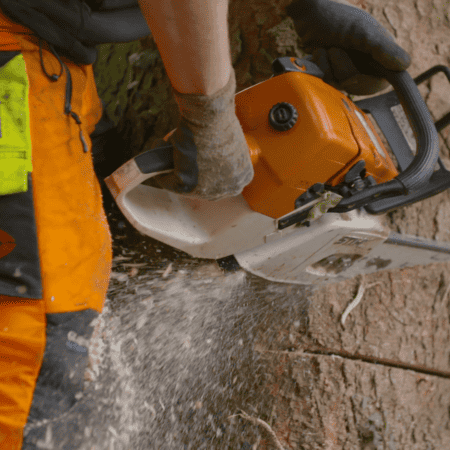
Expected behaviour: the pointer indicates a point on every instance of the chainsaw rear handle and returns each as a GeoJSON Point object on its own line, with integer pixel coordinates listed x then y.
{"type": "Point", "coordinates": [138, 169]}
{"type": "Point", "coordinates": [422, 166]}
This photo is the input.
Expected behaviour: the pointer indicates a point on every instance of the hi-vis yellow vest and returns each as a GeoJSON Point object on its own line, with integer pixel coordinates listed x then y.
{"type": "Point", "coordinates": [15, 137]}
{"type": "Point", "coordinates": [74, 27]}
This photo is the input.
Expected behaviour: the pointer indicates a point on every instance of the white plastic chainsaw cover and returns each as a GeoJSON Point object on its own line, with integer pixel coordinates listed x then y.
{"type": "Point", "coordinates": [333, 248]}
{"type": "Point", "coordinates": [216, 229]}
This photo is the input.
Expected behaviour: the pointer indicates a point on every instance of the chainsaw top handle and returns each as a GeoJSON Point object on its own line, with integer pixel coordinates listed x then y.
{"type": "Point", "coordinates": [422, 166]}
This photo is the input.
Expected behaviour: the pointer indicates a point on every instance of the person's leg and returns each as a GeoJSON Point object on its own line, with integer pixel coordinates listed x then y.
{"type": "Point", "coordinates": [22, 343]}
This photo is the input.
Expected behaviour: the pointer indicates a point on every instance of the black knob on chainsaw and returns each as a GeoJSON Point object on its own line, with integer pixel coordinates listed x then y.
{"type": "Point", "coordinates": [356, 174]}
{"type": "Point", "coordinates": [283, 116]}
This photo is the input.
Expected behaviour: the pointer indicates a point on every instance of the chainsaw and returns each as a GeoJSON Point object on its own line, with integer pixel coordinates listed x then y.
{"type": "Point", "coordinates": [323, 178]}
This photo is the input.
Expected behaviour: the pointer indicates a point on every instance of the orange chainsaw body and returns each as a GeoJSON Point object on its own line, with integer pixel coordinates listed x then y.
{"type": "Point", "coordinates": [327, 139]}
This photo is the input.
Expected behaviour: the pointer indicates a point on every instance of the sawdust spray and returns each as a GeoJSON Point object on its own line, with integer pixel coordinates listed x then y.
{"type": "Point", "coordinates": [173, 356]}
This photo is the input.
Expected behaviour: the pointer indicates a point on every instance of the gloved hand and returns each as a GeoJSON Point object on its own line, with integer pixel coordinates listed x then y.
{"type": "Point", "coordinates": [343, 40]}
{"type": "Point", "coordinates": [211, 155]}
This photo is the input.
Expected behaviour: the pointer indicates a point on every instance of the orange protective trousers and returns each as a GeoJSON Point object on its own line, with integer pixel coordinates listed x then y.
{"type": "Point", "coordinates": [74, 241]}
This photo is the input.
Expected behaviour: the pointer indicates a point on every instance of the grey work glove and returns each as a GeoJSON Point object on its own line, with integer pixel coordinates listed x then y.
{"type": "Point", "coordinates": [211, 155]}
{"type": "Point", "coordinates": [343, 40]}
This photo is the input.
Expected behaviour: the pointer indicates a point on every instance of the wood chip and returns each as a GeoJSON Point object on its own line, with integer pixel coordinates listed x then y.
{"type": "Point", "coordinates": [362, 288]}
{"type": "Point", "coordinates": [257, 421]}
{"type": "Point", "coordinates": [120, 258]}
{"type": "Point", "coordinates": [354, 303]}
{"type": "Point", "coordinates": [133, 272]}
{"type": "Point", "coordinates": [119, 276]}
{"type": "Point", "coordinates": [167, 271]}
{"type": "Point", "coordinates": [133, 264]}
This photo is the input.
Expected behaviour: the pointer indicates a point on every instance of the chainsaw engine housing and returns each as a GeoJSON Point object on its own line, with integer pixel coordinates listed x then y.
{"type": "Point", "coordinates": [302, 131]}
